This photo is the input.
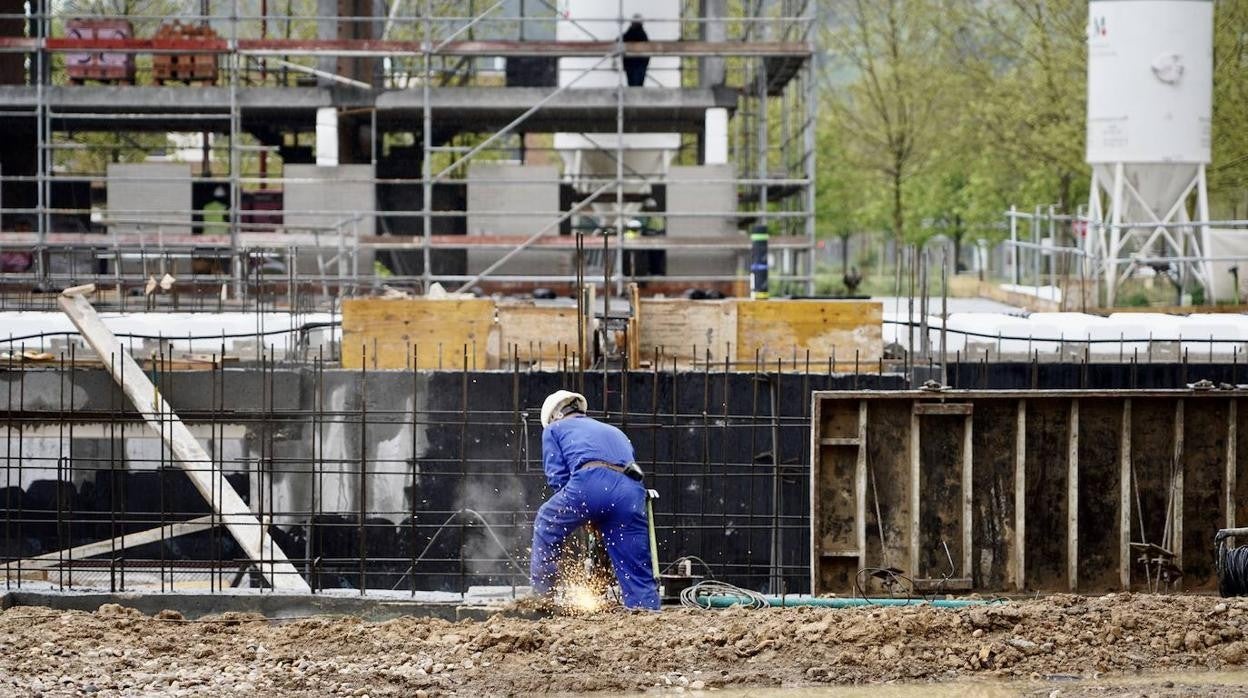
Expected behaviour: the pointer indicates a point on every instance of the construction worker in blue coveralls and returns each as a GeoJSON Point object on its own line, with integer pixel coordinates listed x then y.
{"type": "Point", "coordinates": [588, 465]}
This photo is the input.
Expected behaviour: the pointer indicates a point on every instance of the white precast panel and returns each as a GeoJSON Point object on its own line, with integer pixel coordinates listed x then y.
{"type": "Point", "coordinates": [1004, 333]}
{"type": "Point", "coordinates": [1223, 334]}
{"type": "Point", "coordinates": [1231, 246]}
{"type": "Point", "coordinates": [1150, 81]}
{"type": "Point", "coordinates": [1157, 332]}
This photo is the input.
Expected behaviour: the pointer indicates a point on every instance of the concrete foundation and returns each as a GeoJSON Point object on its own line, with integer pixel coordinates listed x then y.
{"type": "Point", "coordinates": [272, 606]}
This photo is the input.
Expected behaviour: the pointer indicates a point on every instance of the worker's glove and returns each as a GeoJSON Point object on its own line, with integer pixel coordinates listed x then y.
{"type": "Point", "coordinates": [634, 471]}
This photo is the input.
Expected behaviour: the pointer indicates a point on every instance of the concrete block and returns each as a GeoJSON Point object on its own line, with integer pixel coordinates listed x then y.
{"type": "Point", "coordinates": [148, 196]}
{"type": "Point", "coordinates": [702, 189]}
{"type": "Point", "coordinates": [511, 199]}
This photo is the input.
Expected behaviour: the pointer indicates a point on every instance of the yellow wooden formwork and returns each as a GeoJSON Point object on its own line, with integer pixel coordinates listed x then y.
{"type": "Point", "coordinates": [435, 333]}
{"type": "Point", "coordinates": [742, 331]}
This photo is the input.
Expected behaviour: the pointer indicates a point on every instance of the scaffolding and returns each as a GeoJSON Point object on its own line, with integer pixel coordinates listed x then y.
{"type": "Point", "coordinates": [416, 96]}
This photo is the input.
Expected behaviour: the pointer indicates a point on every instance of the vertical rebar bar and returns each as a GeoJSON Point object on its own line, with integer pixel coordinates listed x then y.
{"type": "Point", "coordinates": [361, 537]}
{"type": "Point", "coordinates": [911, 271]}
{"type": "Point", "coordinates": [121, 379]}
{"type": "Point", "coordinates": [9, 551]}
{"type": "Point", "coordinates": [944, 314]}
{"type": "Point", "coordinates": [463, 463]}
{"type": "Point", "coordinates": [776, 582]}
{"type": "Point", "coordinates": [69, 522]}
{"type": "Point", "coordinates": [270, 436]}
{"type": "Point", "coordinates": [60, 473]}
{"type": "Point", "coordinates": [21, 451]}
{"type": "Point", "coordinates": [605, 326]}
{"type": "Point", "coordinates": [412, 492]}
{"type": "Point", "coordinates": [318, 465]}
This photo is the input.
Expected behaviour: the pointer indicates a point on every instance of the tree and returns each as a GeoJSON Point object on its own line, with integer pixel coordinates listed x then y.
{"type": "Point", "coordinates": [1024, 66]}
{"type": "Point", "coordinates": [888, 117]}
{"type": "Point", "coordinates": [839, 190]}
{"type": "Point", "coordinates": [1228, 175]}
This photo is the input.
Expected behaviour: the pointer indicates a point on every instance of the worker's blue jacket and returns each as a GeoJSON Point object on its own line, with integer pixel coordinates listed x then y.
{"type": "Point", "coordinates": [569, 443]}
{"type": "Point", "coordinates": [612, 501]}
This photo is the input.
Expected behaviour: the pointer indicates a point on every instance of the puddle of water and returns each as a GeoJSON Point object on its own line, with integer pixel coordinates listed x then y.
{"type": "Point", "coordinates": [961, 689]}
{"type": "Point", "coordinates": [1211, 680]}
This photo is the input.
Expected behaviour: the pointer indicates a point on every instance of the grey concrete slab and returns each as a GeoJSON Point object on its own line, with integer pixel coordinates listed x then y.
{"type": "Point", "coordinates": [271, 605]}
{"type": "Point", "coordinates": [457, 108]}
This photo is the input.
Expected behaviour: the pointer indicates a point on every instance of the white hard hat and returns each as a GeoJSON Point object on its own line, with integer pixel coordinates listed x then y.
{"type": "Point", "coordinates": [559, 400]}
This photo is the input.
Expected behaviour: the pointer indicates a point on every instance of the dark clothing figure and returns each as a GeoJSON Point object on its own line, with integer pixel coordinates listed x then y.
{"type": "Point", "coordinates": [635, 66]}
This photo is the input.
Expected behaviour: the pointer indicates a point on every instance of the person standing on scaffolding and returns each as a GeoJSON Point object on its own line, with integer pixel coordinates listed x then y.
{"type": "Point", "coordinates": [590, 467]}
{"type": "Point", "coordinates": [214, 219]}
{"type": "Point", "coordinates": [635, 66]}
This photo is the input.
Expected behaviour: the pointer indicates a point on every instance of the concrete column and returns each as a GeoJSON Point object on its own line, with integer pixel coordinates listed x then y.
{"type": "Point", "coordinates": [327, 137]}
{"type": "Point", "coordinates": [715, 137]}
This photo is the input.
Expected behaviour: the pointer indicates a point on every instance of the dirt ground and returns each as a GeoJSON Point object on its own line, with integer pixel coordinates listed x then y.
{"type": "Point", "coordinates": [118, 651]}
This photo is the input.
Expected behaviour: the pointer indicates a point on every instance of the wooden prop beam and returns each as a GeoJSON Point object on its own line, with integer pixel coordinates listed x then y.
{"type": "Point", "coordinates": [189, 455]}
{"type": "Point", "coordinates": [130, 540]}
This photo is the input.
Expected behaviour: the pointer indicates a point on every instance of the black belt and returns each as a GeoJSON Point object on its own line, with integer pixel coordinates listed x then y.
{"type": "Point", "coordinates": [602, 464]}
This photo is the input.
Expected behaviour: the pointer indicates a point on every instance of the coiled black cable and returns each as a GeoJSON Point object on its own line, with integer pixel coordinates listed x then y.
{"type": "Point", "coordinates": [1232, 566]}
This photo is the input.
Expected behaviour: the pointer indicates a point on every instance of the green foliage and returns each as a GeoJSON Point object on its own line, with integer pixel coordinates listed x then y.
{"type": "Point", "coordinates": [887, 118]}
{"type": "Point", "coordinates": [1135, 299]}
{"type": "Point", "coordinates": [1228, 175]}
{"type": "Point", "coordinates": [942, 113]}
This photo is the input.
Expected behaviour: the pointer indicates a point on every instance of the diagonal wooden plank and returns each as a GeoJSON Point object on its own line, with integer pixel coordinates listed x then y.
{"type": "Point", "coordinates": [130, 540]}
{"type": "Point", "coordinates": [233, 512]}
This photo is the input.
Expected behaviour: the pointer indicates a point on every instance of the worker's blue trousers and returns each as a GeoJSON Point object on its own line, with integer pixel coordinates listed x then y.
{"type": "Point", "coordinates": [616, 505]}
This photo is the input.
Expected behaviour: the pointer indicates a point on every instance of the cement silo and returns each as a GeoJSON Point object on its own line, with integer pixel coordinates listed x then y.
{"type": "Point", "coordinates": [1150, 100]}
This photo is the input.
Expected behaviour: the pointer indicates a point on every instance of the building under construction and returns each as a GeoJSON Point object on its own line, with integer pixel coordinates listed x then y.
{"type": "Point", "coordinates": [284, 287]}
{"type": "Point", "coordinates": [341, 145]}
{"type": "Point", "coordinates": [316, 239]}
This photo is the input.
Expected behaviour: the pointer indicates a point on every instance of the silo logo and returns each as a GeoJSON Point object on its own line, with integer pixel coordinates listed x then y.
{"type": "Point", "coordinates": [1168, 68]}
{"type": "Point", "coordinates": [1098, 26]}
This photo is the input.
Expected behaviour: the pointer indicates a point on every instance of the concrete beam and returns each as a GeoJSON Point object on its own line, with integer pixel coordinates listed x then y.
{"type": "Point", "coordinates": [130, 108]}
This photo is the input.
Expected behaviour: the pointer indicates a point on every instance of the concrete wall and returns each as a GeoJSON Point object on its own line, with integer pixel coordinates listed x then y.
{"type": "Point", "coordinates": [509, 199]}
{"type": "Point", "coordinates": [326, 196]}
{"type": "Point", "coordinates": [702, 189]}
{"type": "Point", "coordinates": [425, 456]}
{"type": "Point", "coordinates": [331, 196]}
{"type": "Point", "coordinates": [159, 192]}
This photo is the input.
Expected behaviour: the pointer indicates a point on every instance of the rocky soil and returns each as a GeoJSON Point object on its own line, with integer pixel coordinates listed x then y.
{"type": "Point", "coordinates": [118, 651]}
